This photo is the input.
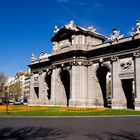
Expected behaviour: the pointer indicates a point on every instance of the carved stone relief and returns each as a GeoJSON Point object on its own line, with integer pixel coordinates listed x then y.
{"type": "Point", "coordinates": [116, 35]}
{"type": "Point", "coordinates": [71, 26]}
{"type": "Point", "coordinates": [33, 58]}
{"type": "Point", "coordinates": [36, 80]}
{"type": "Point", "coordinates": [80, 63]}
{"type": "Point", "coordinates": [55, 46]}
{"type": "Point", "coordinates": [126, 64]}
{"type": "Point", "coordinates": [64, 43]}
{"type": "Point", "coordinates": [136, 30]}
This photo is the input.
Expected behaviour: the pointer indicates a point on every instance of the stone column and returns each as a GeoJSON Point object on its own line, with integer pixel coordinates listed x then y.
{"type": "Point", "coordinates": [98, 92]}
{"type": "Point", "coordinates": [118, 100]}
{"type": "Point", "coordinates": [137, 80]}
{"type": "Point", "coordinates": [78, 85]}
{"type": "Point", "coordinates": [94, 92]}
{"type": "Point", "coordinates": [43, 89]}
{"type": "Point", "coordinates": [58, 97]}
{"type": "Point", "coordinates": [53, 85]}
{"type": "Point", "coordinates": [32, 97]}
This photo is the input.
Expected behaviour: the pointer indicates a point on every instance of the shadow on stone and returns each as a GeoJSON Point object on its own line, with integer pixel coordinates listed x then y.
{"type": "Point", "coordinates": [29, 133]}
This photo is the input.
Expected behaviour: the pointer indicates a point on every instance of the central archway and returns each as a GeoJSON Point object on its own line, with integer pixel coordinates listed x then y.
{"type": "Point", "coordinates": [65, 78]}
{"type": "Point", "coordinates": [48, 82]}
{"type": "Point", "coordinates": [104, 77]}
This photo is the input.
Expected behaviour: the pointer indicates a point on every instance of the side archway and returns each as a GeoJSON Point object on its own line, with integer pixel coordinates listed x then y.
{"type": "Point", "coordinates": [104, 77]}
{"type": "Point", "coordinates": [128, 88]}
{"type": "Point", "coordinates": [48, 82]}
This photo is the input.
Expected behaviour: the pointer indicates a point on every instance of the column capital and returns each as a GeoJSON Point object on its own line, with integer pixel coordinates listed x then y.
{"type": "Point", "coordinates": [53, 67]}
{"type": "Point", "coordinates": [136, 54]}
{"type": "Point", "coordinates": [114, 58]}
{"type": "Point", "coordinates": [31, 74]}
{"type": "Point", "coordinates": [49, 71]}
{"type": "Point", "coordinates": [81, 63]}
{"type": "Point", "coordinates": [40, 72]}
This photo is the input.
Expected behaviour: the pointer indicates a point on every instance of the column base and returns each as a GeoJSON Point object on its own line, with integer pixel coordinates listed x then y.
{"type": "Point", "coordinates": [60, 102]}
{"type": "Point", "coordinates": [116, 104]}
{"type": "Point", "coordinates": [137, 104]}
{"type": "Point", "coordinates": [84, 103]}
{"type": "Point", "coordinates": [38, 102]}
{"type": "Point", "coordinates": [77, 103]}
{"type": "Point", "coordinates": [94, 103]}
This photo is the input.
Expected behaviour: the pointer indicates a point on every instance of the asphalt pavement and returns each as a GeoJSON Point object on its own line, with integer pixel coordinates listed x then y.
{"type": "Point", "coordinates": [69, 128]}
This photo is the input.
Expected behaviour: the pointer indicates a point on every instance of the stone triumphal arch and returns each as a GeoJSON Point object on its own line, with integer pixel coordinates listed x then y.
{"type": "Point", "coordinates": [86, 69]}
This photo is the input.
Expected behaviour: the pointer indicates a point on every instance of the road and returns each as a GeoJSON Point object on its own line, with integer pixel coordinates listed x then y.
{"type": "Point", "coordinates": [69, 128]}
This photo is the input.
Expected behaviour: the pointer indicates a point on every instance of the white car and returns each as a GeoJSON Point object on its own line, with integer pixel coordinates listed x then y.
{"type": "Point", "coordinates": [18, 103]}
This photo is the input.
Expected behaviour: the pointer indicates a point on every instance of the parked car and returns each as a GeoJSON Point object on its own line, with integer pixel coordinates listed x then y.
{"type": "Point", "coordinates": [0, 101]}
{"type": "Point", "coordinates": [11, 101]}
{"type": "Point", "coordinates": [18, 103]}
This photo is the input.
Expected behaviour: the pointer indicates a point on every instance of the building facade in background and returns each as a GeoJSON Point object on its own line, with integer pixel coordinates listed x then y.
{"type": "Point", "coordinates": [18, 86]}
{"type": "Point", "coordinates": [85, 68]}
{"type": "Point", "coordinates": [26, 88]}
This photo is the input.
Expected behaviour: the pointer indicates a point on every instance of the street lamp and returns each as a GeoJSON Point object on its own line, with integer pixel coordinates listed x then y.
{"type": "Point", "coordinates": [7, 102]}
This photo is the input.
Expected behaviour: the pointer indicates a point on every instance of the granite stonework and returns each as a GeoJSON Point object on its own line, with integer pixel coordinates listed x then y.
{"type": "Point", "coordinates": [78, 66]}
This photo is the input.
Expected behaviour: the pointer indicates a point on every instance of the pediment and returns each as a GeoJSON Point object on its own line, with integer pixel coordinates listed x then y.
{"type": "Point", "coordinates": [68, 30]}
{"type": "Point", "coordinates": [62, 34]}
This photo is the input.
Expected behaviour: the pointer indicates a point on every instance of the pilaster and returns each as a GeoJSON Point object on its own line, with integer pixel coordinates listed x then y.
{"type": "Point", "coordinates": [53, 85]}
{"type": "Point", "coordinates": [43, 89]}
{"type": "Point", "coordinates": [33, 100]}
{"type": "Point", "coordinates": [137, 80]}
{"type": "Point", "coordinates": [118, 100]}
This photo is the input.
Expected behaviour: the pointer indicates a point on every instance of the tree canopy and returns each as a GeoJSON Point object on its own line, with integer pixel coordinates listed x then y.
{"type": "Point", "coordinates": [3, 79]}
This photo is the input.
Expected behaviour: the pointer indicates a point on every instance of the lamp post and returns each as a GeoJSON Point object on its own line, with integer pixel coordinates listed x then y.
{"type": "Point", "coordinates": [7, 102]}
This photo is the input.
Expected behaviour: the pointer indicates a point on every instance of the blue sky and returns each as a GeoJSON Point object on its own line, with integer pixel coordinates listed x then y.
{"type": "Point", "coordinates": [26, 26]}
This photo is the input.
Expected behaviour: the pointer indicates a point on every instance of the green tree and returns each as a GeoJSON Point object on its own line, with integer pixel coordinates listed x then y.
{"type": "Point", "coordinates": [15, 90]}
{"type": "Point", "coordinates": [3, 79]}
